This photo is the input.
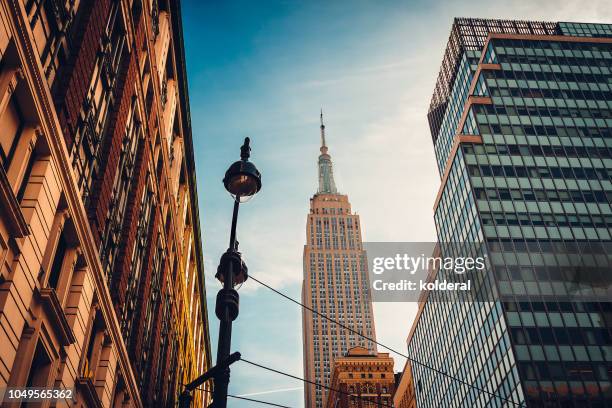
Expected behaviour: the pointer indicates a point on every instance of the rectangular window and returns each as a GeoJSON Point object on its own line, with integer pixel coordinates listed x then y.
{"type": "Point", "coordinates": [11, 126]}
{"type": "Point", "coordinates": [143, 236]}
{"type": "Point", "coordinates": [94, 348]}
{"type": "Point", "coordinates": [26, 177]}
{"type": "Point", "coordinates": [58, 261]}
{"type": "Point", "coordinates": [52, 24]}
{"type": "Point", "coordinates": [131, 144]}
{"type": "Point", "coordinates": [95, 113]}
{"type": "Point", "coordinates": [45, 31]}
{"type": "Point", "coordinates": [40, 368]}
{"type": "Point", "coordinates": [61, 257]}
{"type": "Point", "coordinates": [20, 141]}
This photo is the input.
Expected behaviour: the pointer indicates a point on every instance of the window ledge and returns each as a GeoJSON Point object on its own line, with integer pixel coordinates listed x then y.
{"type": "Point", "coordinates": [11, 209]}
{"type": "Point", "coordinates": [52, 306]}
{"type": "Point", "coordinates": [87, 389]}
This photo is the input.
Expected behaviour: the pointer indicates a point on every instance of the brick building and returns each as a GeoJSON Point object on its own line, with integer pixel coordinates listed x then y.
{"type": "Point", "coordinates": [101, 272]}
{"type": "Point", "coordinates": [364, 379]}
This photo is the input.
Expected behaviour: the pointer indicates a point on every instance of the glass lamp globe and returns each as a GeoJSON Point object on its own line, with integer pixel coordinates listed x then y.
{"type": "Point", "coordinates": [242, 180]}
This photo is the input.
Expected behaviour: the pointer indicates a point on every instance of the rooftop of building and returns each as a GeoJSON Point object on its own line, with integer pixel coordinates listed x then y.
{"type": "Point", "coordinates": [472, 34]}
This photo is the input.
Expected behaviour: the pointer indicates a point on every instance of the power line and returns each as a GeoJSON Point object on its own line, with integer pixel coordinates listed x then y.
{"type": "Point", "coordinates": [272, 404]}
{"type": "Point", "coordinates": [369, 399]}
{"type": "Point", "coordinates": [364, 398]}
{"type": "Point", "coordinates": [295, 377]}
{"type": "Point", "coordinates": [437, 370]}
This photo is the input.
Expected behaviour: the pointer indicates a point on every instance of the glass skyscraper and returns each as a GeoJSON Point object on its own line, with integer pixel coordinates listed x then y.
{"type": "Point", "coordinates": [521, 121]}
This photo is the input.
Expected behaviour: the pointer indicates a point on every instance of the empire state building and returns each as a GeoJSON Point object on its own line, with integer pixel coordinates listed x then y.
{"type": "Point", "coordinates": [335, 282]}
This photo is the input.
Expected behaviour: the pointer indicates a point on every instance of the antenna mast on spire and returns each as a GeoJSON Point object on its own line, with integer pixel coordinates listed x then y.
{"type": "Point", "coordinates": [326, 175]}
{"type": "Point", "coordinates": [323, 144]}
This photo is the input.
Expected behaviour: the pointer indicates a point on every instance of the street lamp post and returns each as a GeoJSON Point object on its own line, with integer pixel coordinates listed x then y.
{"type": "Point", "coordinates": [243, 181]}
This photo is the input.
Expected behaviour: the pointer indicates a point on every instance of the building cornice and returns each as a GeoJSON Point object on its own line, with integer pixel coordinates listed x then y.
{"type": "Point", "coordinates": [181, 65]}
{"type": "Point", "coordinates": [536, 37]}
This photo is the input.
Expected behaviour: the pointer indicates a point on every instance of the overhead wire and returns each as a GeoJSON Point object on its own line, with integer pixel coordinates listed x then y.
{"type": "Point", "coordinates": [352, 395]}
{"type": "Point", "coordinates": [411, 359]}
{"type": "Point", "coordinates": [272, 404]}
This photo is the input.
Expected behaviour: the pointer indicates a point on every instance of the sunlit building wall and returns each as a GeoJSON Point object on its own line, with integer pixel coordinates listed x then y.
{"type": "Point", "coordinates": [404, 396]}
{"type": "Point", "coordinates": [101, 284]}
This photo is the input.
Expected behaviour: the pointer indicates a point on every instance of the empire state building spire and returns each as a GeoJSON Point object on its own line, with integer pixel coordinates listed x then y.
{"type": "Point", "coordinates": [326, 174]}
{"type": "Point", "coordinates": [335, 247]}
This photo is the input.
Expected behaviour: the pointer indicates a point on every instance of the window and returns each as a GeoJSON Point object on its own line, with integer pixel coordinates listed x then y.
{"type": "Point", "coordinates": [95, 113]}
{"type": "Point", "coordinates": [11, 125]}
{"type": "Point", "coordinates": [46, 33]}
{"type": "Point", "coordinates": [131, 144]}
{"type": "Point", "coordinates": [120, 394]}
{"type": "Point", "coordinates": [143, 236]}
{"type": "Point", "coordinates": [164, 343]}
{"type": "Point", "coordinates": [17, 141]}
{"type": "Point", "coordinates": [150, 308]}
{"type": "Point", "coordinates": [95, 345]}
{"type": "Point", "coordinates": [58, 260]}
{"type": "Point", "coordinates": [40, 368]}
{"type": "Point", "coordinates": [61, 256]}
{"type": "Point", "coordinates": [52, 24]}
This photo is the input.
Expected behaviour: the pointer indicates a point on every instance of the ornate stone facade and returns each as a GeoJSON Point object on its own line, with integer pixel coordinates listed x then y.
{"type": "Point", "coordinates": [101, 272]}
{"type": "Point", "coordinates": [360, 379]}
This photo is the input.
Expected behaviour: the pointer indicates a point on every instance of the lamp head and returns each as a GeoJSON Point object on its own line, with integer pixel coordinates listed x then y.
{"type": "Point", "coordinates": [242, 180]}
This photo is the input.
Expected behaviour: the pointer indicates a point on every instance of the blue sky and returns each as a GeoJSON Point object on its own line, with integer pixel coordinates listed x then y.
{"type": "Point", "coordinates": [263, 69]}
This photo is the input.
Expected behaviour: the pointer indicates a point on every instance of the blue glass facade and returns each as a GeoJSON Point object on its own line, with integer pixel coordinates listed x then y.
{"type": "Point", "coordinates": [532, 184]}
